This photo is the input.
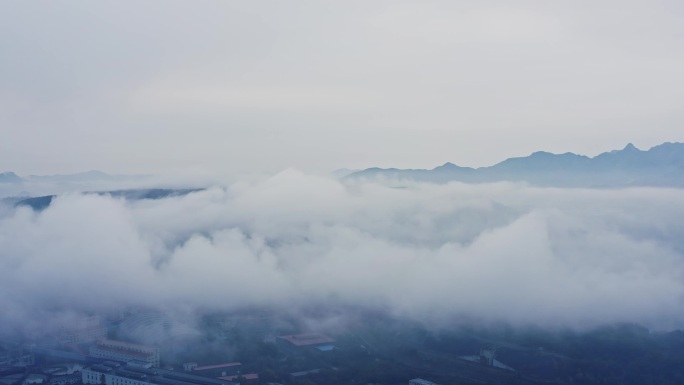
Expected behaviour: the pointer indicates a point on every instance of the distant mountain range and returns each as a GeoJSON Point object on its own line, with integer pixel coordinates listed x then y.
{"type": "Point", "coordinates": [44, 188]}
{"type": "Point", "coordinates": [42, 202]}
{"type": "Point", "coordinates": [661, 166]}
{"type": "Point", "coordinates": [9, 177]}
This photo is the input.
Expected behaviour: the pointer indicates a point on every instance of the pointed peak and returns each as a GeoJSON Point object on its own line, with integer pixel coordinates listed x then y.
{"type": "Point", "coordinates": [541, 153]}
{"type": "Point", "coordinates": [446, 165]}
{"type": "Point", "coordinates": [630, 147]}
{"type": "Point", "coordinates": [449, 167]}
{"type": "Point", "coordinates": [9, 176]}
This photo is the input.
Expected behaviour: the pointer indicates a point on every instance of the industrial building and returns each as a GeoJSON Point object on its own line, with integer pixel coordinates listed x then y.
{"type": "Point", "coordinates": [420, 381]}
{"type": "Point", "coordinates": [218, 370]}
{"type": "Point", "coordinates": [37, 375]}
{"type": "Point", "coordinates": [88, 329]}
{"type": "Point", "coordinates": [110, 373]}
{"type": "Point", "coordinates": [65, 379]}
{"type": "Point", "coordinates": [12, 354]}
{"type": "Point", "coordinates": [309, 340]}
{"type": "Point", "coordinates": [124, 352]}
{"type": "Point", "coordinates": [487, 357]}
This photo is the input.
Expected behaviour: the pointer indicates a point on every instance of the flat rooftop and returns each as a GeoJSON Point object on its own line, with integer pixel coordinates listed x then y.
{"type": "Point", "coordinates": [217, 366]}
{"type": "Point", "coordinates": [248, 376]}
{"type": "Point", "coordinates": [122, 351]}
{"type": "Point", "coordinates": [307, 339]}
{"type": "Point", "coordinates": [123, 345]}
{"type": "Point", "coordinates": [164, 377]}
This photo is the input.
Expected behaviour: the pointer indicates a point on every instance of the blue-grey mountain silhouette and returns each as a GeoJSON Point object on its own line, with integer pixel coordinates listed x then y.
{"type": "Point", "coordinates": [661, 166]}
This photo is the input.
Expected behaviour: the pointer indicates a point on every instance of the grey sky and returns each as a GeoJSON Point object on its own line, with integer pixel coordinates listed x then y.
{"type": "Point", "coordinates": [259, 86]}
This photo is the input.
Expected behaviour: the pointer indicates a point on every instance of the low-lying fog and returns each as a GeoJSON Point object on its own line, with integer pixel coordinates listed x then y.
{"type": "Point", "coordinates": [494, 252]}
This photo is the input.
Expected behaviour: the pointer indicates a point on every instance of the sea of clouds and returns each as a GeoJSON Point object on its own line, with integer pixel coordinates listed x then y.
{"type": "Point", "coordinates": [493, 252]}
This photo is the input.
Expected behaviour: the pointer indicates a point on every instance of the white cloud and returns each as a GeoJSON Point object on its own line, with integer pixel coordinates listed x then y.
{"type": "Point", "coordinates": [496, 252]}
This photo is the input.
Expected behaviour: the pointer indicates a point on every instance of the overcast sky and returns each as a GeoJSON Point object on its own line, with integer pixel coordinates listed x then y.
{"type": "Point", "coordinates": [260, 86]}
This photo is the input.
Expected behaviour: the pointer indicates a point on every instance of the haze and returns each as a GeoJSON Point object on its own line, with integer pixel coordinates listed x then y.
{"type": "Point", "coordinates": [252, 104]}
{"type": "Point", "coordinates": [436, 253]}
{"type": "Point", "coordinates": [227, 87]}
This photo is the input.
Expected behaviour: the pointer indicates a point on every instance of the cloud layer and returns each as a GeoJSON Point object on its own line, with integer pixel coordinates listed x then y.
{"type": "Point", "coordinates": [435, 252]}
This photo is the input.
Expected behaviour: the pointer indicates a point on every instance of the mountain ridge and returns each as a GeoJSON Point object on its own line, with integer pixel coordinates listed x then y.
{"type": "Point", "coordinates": [659, 166]}
{"type": "Point", "coordinates": [42, 202]}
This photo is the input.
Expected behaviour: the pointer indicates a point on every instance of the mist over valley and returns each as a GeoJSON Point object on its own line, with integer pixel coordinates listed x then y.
{"type": "Point", "coordinates": [341, 193]}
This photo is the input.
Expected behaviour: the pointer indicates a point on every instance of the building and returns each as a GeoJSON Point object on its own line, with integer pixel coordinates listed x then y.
{"type": "Point", "coordinates": [304, 373]}
{"type": "Point", "coordinates": [248, 377]}
{"type": "Point", "coordinates": [310, 340]}
{"type": "Point", "coordinates": [114, 374]}
{"type": "Point", "coordinates": [139, 364]}
{"type": "Point", "coordinates": [15, 355]}
{"type": "Point", "coordinates": [124, 352]}
{"type": "Point", "coordinates": [487, 357]}
{"type": "Point", "coordinates": [88, 329]}
{"type": "Point", "coordinates": [103, 374]}
{"type": "Point", "coordinates": [420, 381]}
{"type": "Point", "coordinates": [65, 379]}
{"type": "Point", "coordinates": [218, 370]}
{"type": "Point", "coordinates": [35, 378]}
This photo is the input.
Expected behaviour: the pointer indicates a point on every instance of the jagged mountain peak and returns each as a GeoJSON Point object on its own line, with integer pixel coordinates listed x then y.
{"type": "Point", "coordinates": [9, 176]}
{"type": "Point", "coordinates": [446, 165]}
{"type": "Point", "coordinates": [662, 165]}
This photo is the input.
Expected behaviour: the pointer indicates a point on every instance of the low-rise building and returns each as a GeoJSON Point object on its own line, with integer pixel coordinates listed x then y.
{"type": "Point", "coordinates": [105, 374]}
{"type": "Point", "coordinates": [88, 329]}
{"type": "Point", "coordinates": [420, 381]}
{"type": "Point", "coordinates": [124, 352]}
{"type": "Point", "coordinates": [65, 379]}
{"type": "Point", "coordinates": [247, 377]}
{"type": "Point", "coordinates": [218, 370]}
{"type": "Point", "coordinates": [15, 355]}
{"type": "Point", "coordinates": [308, 340]}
